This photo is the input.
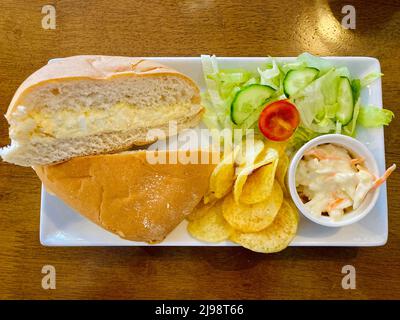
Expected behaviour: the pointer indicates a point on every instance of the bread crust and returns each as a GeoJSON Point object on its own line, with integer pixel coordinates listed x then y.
{"type": "Point", "coordinates": [93, 67]}
{"type": "Point", "coordinates": [127, 195]}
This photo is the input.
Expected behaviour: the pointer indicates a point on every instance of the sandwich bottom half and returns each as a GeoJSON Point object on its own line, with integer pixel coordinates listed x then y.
{"type": "Point", "coordinates": [129, 195]}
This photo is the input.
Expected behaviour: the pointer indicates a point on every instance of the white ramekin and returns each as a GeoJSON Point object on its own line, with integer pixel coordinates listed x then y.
{"type": "Point", "coordinates": [356, 148]}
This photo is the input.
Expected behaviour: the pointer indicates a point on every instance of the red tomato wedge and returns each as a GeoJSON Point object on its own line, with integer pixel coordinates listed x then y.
{"type": "Point", "coordinates": [279, 120]}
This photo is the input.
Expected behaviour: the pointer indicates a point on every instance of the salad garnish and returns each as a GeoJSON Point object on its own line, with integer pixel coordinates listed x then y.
{"type": "Point", "coordinates": [279, 120]}
{"type": "Point", "coordinates": [326, 96]}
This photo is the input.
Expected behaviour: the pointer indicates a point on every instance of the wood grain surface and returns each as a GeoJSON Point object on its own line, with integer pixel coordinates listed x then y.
{"type": "Point", "coordinates": [190, 28]}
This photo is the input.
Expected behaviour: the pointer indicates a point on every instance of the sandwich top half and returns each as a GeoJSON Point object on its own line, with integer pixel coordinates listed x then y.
{"type": "Point", "coordinates": [85, 105]}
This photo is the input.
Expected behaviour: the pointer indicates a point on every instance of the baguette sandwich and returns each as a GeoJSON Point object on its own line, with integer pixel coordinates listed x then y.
{"type": "Point", "coordinates": [85, 105]}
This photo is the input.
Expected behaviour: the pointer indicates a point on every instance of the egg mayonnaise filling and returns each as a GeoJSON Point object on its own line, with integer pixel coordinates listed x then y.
{"type": "Point", "coordinates": [82, 121]}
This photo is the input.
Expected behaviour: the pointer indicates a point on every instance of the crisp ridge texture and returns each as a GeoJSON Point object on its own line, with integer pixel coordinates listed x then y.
{"type": "Point", "coordinates": [126, 194]}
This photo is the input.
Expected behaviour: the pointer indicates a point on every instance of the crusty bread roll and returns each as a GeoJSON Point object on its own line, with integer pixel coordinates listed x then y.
{"type": "Point", "coordinates": [127, 195]}
{"type": "Point", "coordinates": [87, 105]}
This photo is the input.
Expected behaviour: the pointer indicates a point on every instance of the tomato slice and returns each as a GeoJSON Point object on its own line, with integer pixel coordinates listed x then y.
{"type": "Point", "coordinates": [279, 120]}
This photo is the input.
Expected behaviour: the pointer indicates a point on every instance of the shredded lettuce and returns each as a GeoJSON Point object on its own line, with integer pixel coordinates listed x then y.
{"type": "Point", "coordinates": [286, 67]}
{"type": "Point", "coordinates": [343, 72]}
{"type": "Point", "coordinates": [229, 80]}
{"type": "Point", "coordinates": [271, 75]}
{"type": "Point", "coordinates": [371, 117]}
{"type": "Point", "coordinates": [222, 86]}
{"type": "Point", "coordinates": [317, 103]}
{"type": "Point", "coordinates": [210, 117]}
{"type": "Point", "coordinates": [315, 62]}
{"type": "Point", "coordinates": [220, 99]}
{"type": "Point", "coordinates": [252, 80]}
{"type": "Point", "coordinates": [300, 137]}
{"type": "Point", "coordinates": [369, 78]}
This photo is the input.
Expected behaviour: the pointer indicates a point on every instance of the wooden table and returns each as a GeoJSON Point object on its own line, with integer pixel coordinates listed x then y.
{"type": "Point", "coordinates": [190, 28]}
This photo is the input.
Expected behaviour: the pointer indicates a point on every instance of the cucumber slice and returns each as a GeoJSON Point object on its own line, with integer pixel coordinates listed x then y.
{"type": "Point", "coordinates": [296, 80]}
{"type": "Point", "coordinates": [247, 100]}
{"type": "Point", "coordinates": [345, 101]}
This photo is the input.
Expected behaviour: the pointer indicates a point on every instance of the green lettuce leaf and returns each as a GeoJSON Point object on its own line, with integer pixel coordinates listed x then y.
{"type": "Point", "coordinates": [343, 72]}
{"type": "Point", "coordinates": [369, 78]}
{"type": "Point", "coordinates": [210, 117]}
{"type": "Point", "coordinates": [371, 117]}
{"type": "Point", "coordinates": [286, 67]}
{"type": "Point", "coordinates": [221, 89]}
{"type": "Point", "coordinates": [310, 60]}
{"type": "Point", "coordinates": [271, 75]}
{"type": "Point", "coordinates": [300, 137]}
{"type": "Point", "coordinates": [317, 101]}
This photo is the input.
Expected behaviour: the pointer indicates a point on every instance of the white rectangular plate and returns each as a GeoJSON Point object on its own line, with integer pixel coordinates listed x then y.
{"type": "Point", "coordinates": [61, 226]}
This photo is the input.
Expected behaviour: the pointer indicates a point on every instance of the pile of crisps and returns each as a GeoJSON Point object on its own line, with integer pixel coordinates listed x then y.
{"type": "Point", "coordinates": [246, 200]}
